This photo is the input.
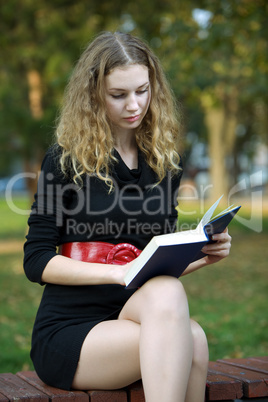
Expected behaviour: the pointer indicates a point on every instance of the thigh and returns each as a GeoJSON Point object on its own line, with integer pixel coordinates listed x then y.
{"type": "Point", "coordinates": [109, 356]}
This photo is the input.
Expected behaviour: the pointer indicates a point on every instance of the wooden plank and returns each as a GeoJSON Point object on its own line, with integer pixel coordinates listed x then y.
{"type": "Point", "coordinates": [250, 400]}
{"type": "Point", "coordinates": [118, 395]}
{"type": "Point", "coordinates": [135, 392]}
{"type": "Point", "coordinates": [250, 364]}
{"type": "Point", "coordinates": [15, 389]}
{"type": "Point", "coordinates": [220, 387]}
{"type": "Point", "coordinates": [54, 394]}
{"type": "Point", "coordinates": [3, 398]}
{"type": "Point", "coordinates": [261, 358]}
{"type": "Point", "coordinates": [254, 384]}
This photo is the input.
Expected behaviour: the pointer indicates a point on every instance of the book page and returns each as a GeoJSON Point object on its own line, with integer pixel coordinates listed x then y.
{"type": "Point", "coordinates": [184, 237]}
{"type": "Point", "coordinates": [230, 208]}
{"type": "Point", "coordinates": [206, 218]}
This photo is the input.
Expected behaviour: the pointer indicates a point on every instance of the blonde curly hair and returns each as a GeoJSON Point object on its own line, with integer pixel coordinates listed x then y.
{"type": "Point", "coordinates": [83, 129]}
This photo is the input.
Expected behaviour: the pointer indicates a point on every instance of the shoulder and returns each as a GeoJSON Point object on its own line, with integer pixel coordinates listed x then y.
{"type": "Point", "coordinates": [52, 157]}
{"type": "Point", "coordinates": [51, 162]}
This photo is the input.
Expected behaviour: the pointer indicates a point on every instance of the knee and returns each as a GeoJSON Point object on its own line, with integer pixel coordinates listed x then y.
{"type": "Point", "coordinates": [200, 346]}
{"type": "Point", "coordinates": [165, 297]}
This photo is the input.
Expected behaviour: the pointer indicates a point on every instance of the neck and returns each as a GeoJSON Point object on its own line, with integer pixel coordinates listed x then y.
{"type": "Point", "coordinates": [125, 142]}
{"type": "Point", "coordinates": [128, 150]}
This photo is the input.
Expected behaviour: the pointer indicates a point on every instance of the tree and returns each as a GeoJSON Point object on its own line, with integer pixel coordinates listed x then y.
{"type": "Point", "coordinates": [39, 42]}
{"type": "Point", "coordinates": [222, 65]}
{"type": "Point", "coordinates": [217, 66]}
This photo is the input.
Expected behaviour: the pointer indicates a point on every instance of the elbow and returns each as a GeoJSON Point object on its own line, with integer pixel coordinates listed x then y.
{"type": "Point", "coordinates": [30, 272]}
{"type": "Point", "coordinates": [35, 264]}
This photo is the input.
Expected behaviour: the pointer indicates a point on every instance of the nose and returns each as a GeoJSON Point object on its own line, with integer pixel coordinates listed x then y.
{"type": "Point", "coordinates": [132, 103]}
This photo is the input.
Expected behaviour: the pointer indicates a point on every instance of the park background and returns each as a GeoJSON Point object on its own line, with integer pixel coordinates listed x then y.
{"type": "Point", "coordinates": [215, 56]}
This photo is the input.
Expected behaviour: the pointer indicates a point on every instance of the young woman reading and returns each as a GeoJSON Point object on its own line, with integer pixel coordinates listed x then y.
{"type": "Point", "coordinates": [106, 187]}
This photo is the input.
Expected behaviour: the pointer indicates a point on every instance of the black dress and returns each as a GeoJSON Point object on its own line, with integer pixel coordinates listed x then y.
{"type": "Point", "coordinates": [133, 213]}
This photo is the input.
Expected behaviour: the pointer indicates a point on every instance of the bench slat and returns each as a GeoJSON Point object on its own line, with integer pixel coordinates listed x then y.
{"type": "Point", "coordinates": [54, 394]}
{"type": "Point", "coordinates": [255, 384]}
{"type": "Point", "coordinates": [111, 396]}
{"type": "Point", "coordinates": [228, 380]}
{"type": "Point", "coordinates": [250, 400]}
{"type": "Point", "coordinates": [135, 392]}
{"type": "Point", "coordinates": [252, 363]}
{"type": "Point", "coordinates": [14, 388]}
{"type": "Point", "coordinates": [3, 398]}
{"type": "Point", "coordinates": [262, 358]}
{"type": "Point", "coordinates": [220, 387]}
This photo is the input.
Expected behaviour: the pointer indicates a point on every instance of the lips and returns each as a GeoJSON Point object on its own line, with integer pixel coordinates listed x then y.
{"type": "Point", "coordinates": [132, 118]}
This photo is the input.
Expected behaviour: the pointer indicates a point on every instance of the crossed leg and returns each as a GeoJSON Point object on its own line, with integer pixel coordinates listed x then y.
{"type": "Point", "coordinates": [153, 339]}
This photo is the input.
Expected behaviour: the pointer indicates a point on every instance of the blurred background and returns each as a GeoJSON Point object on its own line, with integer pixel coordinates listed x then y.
{"type": "Point", "coordinates": [215, 56]}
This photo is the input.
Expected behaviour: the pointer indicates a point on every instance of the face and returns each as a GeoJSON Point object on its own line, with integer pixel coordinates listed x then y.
{"type": "Point", "coordinates": [127, 96]}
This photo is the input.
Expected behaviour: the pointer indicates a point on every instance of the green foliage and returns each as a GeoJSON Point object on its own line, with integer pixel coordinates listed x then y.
{"type": "Point", "coordinates": [221, 61]}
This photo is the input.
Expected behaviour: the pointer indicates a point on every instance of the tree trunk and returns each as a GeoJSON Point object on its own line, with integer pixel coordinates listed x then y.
{"type": "Point", "coordinates": [35, 104]}
{"type": "Point", "coordinates": [215, 119]}
{"type": "Point", "coordinates": [35, 94]}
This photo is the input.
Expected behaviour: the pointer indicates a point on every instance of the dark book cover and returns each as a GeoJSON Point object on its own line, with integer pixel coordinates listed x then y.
{"type": "Point", "coordinates": [169, 260]}
{"type": "Point", "coordinates": [171, 254]}
{"type": "Point", "coordinates": [215, 226]}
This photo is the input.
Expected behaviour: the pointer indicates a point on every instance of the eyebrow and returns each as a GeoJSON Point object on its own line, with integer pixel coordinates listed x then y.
{"type": "Point", "coordinates": [124, 89]}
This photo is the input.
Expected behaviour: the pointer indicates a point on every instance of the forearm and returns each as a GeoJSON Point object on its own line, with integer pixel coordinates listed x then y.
{"type": "Point", "coordinates": [62, 270]}
{"type": "Point", "coordinates": [194, 266]}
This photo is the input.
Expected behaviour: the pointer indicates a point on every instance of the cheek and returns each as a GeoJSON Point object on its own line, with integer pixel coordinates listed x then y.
{"type": "Point", "coordinates": [147, 101]}
{"type": "Point", "coordinates": [111, 109]}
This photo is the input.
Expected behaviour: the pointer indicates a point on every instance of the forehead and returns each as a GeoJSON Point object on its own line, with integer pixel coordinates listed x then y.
{"type": "Point", "coordinates": [127, 77]}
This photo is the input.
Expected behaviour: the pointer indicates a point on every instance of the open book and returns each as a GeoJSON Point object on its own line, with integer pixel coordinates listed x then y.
{"type": "Point", "coordinates": [170, 254]}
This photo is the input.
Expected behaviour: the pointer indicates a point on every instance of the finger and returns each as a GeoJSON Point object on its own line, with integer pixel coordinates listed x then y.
{"type": "Point", "coordinates": [222, 237]}
{"type": "Point", "coordinates": [216, 247]}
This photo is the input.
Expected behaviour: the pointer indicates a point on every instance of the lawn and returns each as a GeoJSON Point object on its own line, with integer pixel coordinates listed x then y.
{"type": "Point", "coordinates": [229, 299]}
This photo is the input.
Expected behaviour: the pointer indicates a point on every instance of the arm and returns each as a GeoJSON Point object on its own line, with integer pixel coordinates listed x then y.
{"type": "Point", "coordinates": [42, 264]}
{"type": "Point", "coordinates": [62, 270]}
{"type": "Point", "coordinates": [215, 252]}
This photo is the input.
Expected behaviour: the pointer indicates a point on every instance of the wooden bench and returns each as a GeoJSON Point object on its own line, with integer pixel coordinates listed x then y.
{"type": "Point", "coordinates": [228, 380]}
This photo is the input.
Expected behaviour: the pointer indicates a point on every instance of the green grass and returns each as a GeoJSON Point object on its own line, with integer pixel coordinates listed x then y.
{"type": "Point", "coordinates": [14, 216]}
{"type": "Point", "coordinates": [228, 299]}
{"type": "Point", "coordinates": [18, 304]}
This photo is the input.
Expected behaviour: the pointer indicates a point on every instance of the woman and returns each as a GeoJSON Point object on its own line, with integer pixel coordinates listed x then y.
{"type": "Point", "coordinates": [113, 178]}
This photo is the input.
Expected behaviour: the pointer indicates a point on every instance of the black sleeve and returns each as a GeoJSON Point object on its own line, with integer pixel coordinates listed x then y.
{"type": "Point", "coordinates": [45, 220]}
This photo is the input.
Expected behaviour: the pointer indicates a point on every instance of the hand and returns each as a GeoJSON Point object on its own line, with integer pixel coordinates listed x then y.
{"type": "Point", "coordinates": [218, 250]}
{"type": "Point", "coordinates": [118, 272]}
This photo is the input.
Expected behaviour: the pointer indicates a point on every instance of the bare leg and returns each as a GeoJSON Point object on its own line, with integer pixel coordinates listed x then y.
{"type": "Point", "coordinates": [152, 338]}
{"type": "Point", "coordinates": [197, 380]}
{"type": "Point", "coordinates": [109, 358]}
{"type": "Point", "coordinates": [166, 343]}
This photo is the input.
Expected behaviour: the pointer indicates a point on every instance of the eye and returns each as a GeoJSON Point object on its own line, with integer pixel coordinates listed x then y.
{"type": "Point", "coordinates": [118, 96]}
{"type": "Point", "coordinates": [143, 91]}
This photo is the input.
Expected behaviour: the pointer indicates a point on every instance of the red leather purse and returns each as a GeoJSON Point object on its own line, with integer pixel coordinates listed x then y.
{"type": "Point", "coordinates": [100, 252]}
